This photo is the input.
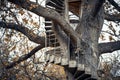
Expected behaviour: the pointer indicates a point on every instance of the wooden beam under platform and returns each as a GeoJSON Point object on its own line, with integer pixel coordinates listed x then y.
{"type": "Point", "coordinates": [74, 6]}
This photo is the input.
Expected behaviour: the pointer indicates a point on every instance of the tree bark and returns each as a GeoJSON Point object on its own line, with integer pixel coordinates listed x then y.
{"type": "Point", "coordinates": [24, 30]}
{"type": "Point", "coordinates": [89, 30]}
{"type": "Point", "coordinates": [48, 13]}
{"type": "Point", "coordinates": [108, 47]}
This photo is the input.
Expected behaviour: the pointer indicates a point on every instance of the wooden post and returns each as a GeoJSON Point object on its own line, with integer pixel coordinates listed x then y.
{"type": "Point", "coordinates": [66, 13]}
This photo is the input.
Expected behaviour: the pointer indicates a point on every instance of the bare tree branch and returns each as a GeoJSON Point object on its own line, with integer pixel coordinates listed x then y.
{"type": "Point", "coordinates": [113, 17]}
{"type": "Point", "coordinates": [48, 13]}
{"type": "Point", "coordinates": [24, 57]}
{"type": "Point", "coordinates": [24, 30]}
{"type": "Point", "coordinates": [112, 34]}
{"type": "Point", "coordinates": [115, 4]}
{"type": "Point", "coordinates": [109, 47]}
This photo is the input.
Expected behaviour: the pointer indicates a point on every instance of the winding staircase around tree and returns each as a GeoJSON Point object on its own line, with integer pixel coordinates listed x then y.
{"type": "Point", "coordinates": [63, 55]}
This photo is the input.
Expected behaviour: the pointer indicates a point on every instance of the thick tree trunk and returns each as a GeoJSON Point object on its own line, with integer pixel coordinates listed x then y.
{"type": "Point", "coordinates": [89, 30]}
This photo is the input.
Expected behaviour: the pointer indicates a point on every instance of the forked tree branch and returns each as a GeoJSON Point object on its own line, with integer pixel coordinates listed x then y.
{"type": "Point", "coordinates": [24, 57]}
{"type": "Point", "coordinates": [48, 13]}
{"type": "Point", "coordinates": [24, 30]}
{"type": "Point", "coordinates": [108, 47]}
{"type": "Point", "coordinates": [113, 17]}
{"type": "Point", "coordinates": [115, 4]}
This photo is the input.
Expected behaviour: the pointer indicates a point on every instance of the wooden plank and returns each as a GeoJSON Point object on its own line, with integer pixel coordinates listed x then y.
{"type": "Point", "coordinates": [74, 7]}
{"type": "Point", "coordinates": [51, 36]}
{"type": "Point", "coordinates": [80, 67]}
{"type": "Point", "coordinates": [54, 5]}
{"type": "Point", "coordinates": [52, 57]}
{"type": "Point", "coordinates": [46, 19]}
{"type": "Point", "coordinates": [53, 40]}
{"type": "Point", "coordinates": [87, 70]}
{"type": "Point", "coordinates": [64, 61]}
{"type": "Point", "coordinates": [72, 63]}
{"type": "Point", "coordinates": [56, 50]}
{"type": "Point", "coordinates": [48, 28]}
{"type": "Point", "coordinates": [57, 59]}
{"type": "Point", "coordinates": [74, 21]}
{"type": "Point", "coordinates": [47, 57]}
{"type": "Point", "coordinates": [56, 44]}
{"type": "Point", "coordinates": [49, 31]}
{"type": "Point", "coordinates": [66, 11]}
{"type": "Point", "coordinates": [58, 2]}
{"type": "Point", "coordinates": [48, 24]}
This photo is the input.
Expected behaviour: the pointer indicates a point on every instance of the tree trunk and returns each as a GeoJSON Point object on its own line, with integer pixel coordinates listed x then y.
{"type": "Point", "coordinates": [89, 30]}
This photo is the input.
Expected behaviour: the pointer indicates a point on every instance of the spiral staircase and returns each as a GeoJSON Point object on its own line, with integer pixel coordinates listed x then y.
{"type": "Point", "coordinates": [55, 56]}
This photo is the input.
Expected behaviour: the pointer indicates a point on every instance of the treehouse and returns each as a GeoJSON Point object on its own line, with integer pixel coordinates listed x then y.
{"type": "Point", "coordinates": [62, 53]}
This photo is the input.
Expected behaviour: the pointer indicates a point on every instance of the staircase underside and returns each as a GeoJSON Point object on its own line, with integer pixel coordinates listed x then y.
{"type": "Point", "coordinates": [79, 71]}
